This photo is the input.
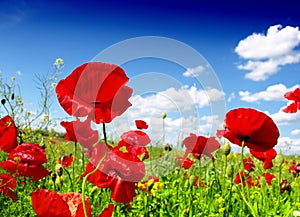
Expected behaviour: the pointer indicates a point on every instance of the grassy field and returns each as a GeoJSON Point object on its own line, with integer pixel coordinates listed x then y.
{"type": "Point", "coordinates": [205, 189]}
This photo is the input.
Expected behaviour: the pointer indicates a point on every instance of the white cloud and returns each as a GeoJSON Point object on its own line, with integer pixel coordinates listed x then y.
{"type": "Point", "coordinates": [288, 145]}
{"type": "Point", "coordinates": [194, 71]}
{"type": "Point", "coordinates": [296, 132]}
{"type": "Point", "coordinates": [282, 118]}
{"type": "Point", "coordinates": [19, 72]}
{"type": "Point", "coordinates": [272, 93]}
{"type": "Point", "coordinates": [265, 54]}
{"type": "Point", "coordinates": [182, 113]}
{"type": "Point", "coordinates": [231, 97]}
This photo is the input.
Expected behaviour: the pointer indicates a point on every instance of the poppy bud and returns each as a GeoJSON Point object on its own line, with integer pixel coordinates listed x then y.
{"type": "Point", "coordinates": [3, 101]}
{"type": "Point", "coordinates": [58, 182]}
{"type": "Point", "coordinates": [59, 169]}
{"type": "Point", "coordinates": [226, 148]}
{"type": "Point", "coordinates": [164, 115]}
{"type": "Point", "coordinates": [167, 147]}
{"type": "Point", "coordinates": [285, 185]}
{"type": "Point", "coordinates": [53, 176]}
{"type": "Point", "coordinates": [12, 96]}
{"type": "Point", "coordinates": [229, 171]}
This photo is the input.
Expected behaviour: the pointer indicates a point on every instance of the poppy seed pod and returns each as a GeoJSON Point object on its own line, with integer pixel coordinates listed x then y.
{"type": "Point", "coordinates": [3, 101]}
{"type": "Point", "coordinates": [226, 148]}
{"type": "Point", "coordinates": [59, 169]}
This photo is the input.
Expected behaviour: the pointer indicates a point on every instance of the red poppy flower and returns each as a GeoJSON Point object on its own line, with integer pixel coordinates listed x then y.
{"type": "Point", "coordinates": [108, 211]}
{"type": "Point", "coordinates": [266, 157]}
{"type": "Point", "coordinates": [138, 151]}
{"type": "Point", "coordinates": [254, 128]}
{"type": "Point", "coordinates": [49, 203]}
{"type": "Point", "coordinates": [96, 90]}
{"type": "Point", "coordinates": [37, 172]}
{"type": "Point", "coordinates": [140, 124]}
{"type": "Point", "coordinates": [8, 134]}
{"type": "Point", "coordinates": [199, 145]}
{"type": "Point", "coordinates": [295, 169]}
{"type": "Point", "coordinates": [66, 161]}
{"type": "Point", "coordinates": [122, 191]}
{"type": "Point", "coordinates": [7, 184]}
{"type": "Point", "coordinates": [242, 177]}
{"type": "Point", "coordinates": [119, 171]}
{"type": "Point", "coordinates": [294, 96]}
{"type": "Point", "coordinates": [249, 164]}
{"type": "Point", "coordinates": [269, 177]}
{"type": "Point", "coordinates": [81, 132]}
{"type": "Point", "coordinates": [28, 153]}
{"type": "Point", "coordinates": [285, 185]}
{"type": "Point", "coordinates": [136, 138]}
{"type": "Point", "coordinates": [26, 160]}
{"type": "Point", "coordinates": [185, 163]}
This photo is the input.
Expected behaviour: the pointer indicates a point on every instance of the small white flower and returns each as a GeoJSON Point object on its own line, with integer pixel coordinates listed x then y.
{"type": "Point", "coordinates": [296, 213]}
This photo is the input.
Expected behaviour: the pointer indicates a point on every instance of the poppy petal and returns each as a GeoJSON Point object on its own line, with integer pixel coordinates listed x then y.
{"type": "Point", "coordinates": [29, 153]}
{"type": "Point", "coordinates": [49, 203]}
{"type": "Point", "coordinates": [9, 133]}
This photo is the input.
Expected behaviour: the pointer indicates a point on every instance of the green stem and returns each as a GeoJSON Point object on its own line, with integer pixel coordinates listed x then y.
{"type": "Point", "coordinates": [92, 172]}
{"type": "Point", "coordinates": [242, 153]}
{"type": "Point", "coordinates": [75, 156]}
{"type": "Point", "coordinates": [72, 188]}
{"type": "Point", "coordinates": [163, 139]}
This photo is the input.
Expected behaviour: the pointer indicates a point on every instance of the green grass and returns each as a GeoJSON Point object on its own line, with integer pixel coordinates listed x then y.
{"type": "Point", "coordinates": [174, 194]}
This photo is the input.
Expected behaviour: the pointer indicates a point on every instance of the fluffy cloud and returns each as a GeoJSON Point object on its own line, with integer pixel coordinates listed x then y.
{"type": "Point", "coordinates": [194, 71]}
{"type": "Point", "coordinates": [272, 93]}
{"type": "Point", "coordinates": [265, 54]}
{"type": "Point", "coordinates": [296, 132]}
{"type": "Point", "coordinates": [282, 118]}
{"type": "Point", "coordinates": [182, 113]}
{"type": "Point", "coordinates": [288, 145]}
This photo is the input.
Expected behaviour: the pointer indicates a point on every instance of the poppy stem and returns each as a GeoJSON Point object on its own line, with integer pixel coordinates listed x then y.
{"type": "Point", "coordinates": [242, 153]}
{"type": "Point", "coordinates": [92, 172]}
{"type": "Point", "coordinates": [75, 156]}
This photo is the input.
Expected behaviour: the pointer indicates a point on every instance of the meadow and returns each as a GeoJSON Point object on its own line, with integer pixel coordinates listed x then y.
{"type": "Point", "coordinates": [84, 173]}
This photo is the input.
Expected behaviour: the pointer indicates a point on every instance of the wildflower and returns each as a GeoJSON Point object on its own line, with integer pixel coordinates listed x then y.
{"type": "Point", "coordinates": [13, 78]}
{"type": "Point", "coordinates": [249, 164]}
{"type": "Point", "coordinates": [269, 177]}
{"type": "Point", "coordinates": [285, 185]}
{"type": "Point", "coordinates": [265, 156]}
{"type": "Point", "coordinates": [295, 169]}
{"type": "Point", "coordinates": [119, 171]}
{"type": "Point", "coordinates": [81, 132]}
{"type": "Point", "coordinates": [27, 160]}
{"type": "Point", "coordinates": [8, 134]}
{"type": "Point", "coordinates": [185, 163]}
{"type": "Point", "coordinates": [200, 145]}
{"type": "Point", "coordinates": [107, 212]}
{"type": "Point", "coordinates": [66, 161]}
{"type": "Point", "coordinates": [140, 124]}
{"type": "Point", "coordinates": [242, 177]}
{"type": "Point", "coordinates": [96, 90]}
{"type": "Point", "coordinates": [7, 184]}
{"type": "Point", "coordinates": [49, 203]}
{"type": "Point", "coordinates": [253, 128]}
{"type": "Point", "coordinates": [294, 96]}
{"type": "Point", "coordinates": [296, 213]}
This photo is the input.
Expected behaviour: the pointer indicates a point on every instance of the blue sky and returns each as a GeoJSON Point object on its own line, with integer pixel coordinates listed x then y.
{"type": "Point", "coordinates": [254, 60]}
